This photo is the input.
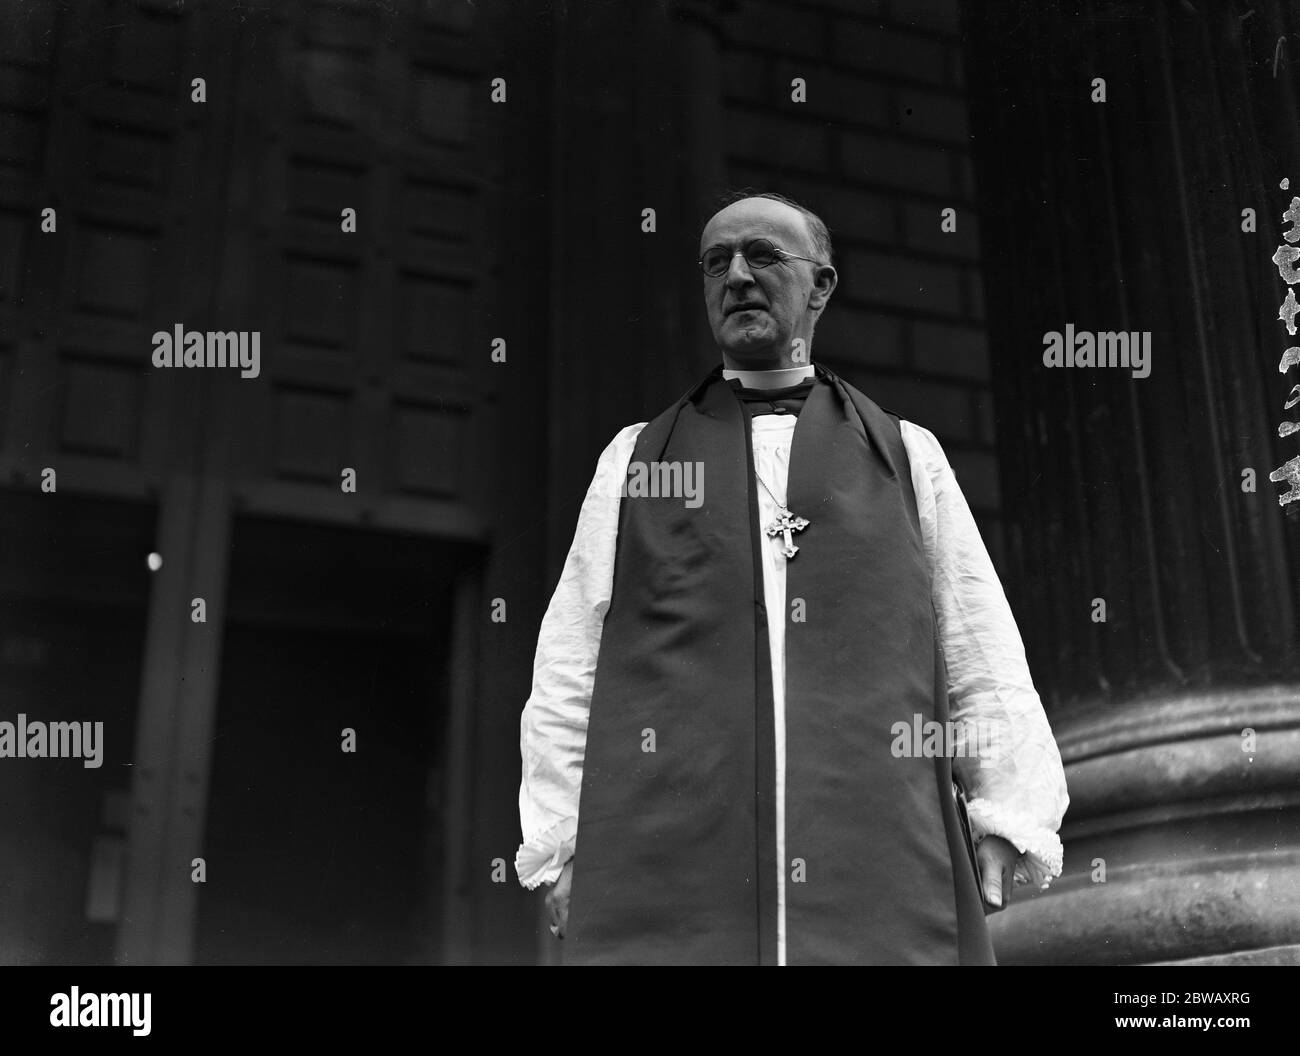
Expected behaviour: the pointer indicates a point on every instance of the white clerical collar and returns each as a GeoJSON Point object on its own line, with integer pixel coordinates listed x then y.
{"type": "Point", "coordinates": [781, 378]}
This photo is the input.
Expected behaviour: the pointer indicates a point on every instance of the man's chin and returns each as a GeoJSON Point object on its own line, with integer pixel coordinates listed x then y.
{"type": "Point", "coordinates": [737, 336]}
{"type": "Point", "coordinates": [754, 346]}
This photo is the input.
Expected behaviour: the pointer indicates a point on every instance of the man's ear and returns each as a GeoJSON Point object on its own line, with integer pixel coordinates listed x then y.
{"type": "Point", "coordinates": [825, 280]}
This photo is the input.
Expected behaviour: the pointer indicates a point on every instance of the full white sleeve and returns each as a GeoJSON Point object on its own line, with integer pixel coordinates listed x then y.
{"type": "Point", "coordinates": [1015, 780]}
{"type": "Point", "coordinates": [553, 727]}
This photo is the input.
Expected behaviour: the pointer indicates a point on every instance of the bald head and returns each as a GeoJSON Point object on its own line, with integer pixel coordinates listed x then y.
{"type": "Point", "coordinates": [815, 227]}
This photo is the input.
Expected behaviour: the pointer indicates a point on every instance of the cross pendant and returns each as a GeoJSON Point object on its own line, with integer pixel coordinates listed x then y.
{"type": "Point", "coordinates": [787, 524]}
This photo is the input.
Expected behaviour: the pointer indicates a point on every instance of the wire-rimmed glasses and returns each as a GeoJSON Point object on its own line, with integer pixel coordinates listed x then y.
{"type": "Point", "coordinates": [758, 253]}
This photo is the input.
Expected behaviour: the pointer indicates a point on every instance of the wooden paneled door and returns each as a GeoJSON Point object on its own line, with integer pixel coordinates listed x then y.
{"type": "Point", "coordinates": [226, 215]}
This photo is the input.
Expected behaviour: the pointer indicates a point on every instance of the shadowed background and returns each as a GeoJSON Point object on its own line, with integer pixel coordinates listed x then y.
{"type": "Point", "coordinates": [522, 220]}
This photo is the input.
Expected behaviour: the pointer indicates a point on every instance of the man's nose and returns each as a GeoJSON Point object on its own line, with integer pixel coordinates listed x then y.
{"type": "Point", "coordinates": [738, 274]}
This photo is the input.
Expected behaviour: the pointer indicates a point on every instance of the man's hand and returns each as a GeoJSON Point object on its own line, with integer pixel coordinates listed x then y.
{"type": "Point", "coordinates": [997, 858]}
{"type": "Point", "coordinates": [557, 900]}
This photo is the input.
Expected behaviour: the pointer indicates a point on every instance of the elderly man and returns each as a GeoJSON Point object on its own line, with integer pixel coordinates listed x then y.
{"type": "Point", "coordinates": [732, 686]}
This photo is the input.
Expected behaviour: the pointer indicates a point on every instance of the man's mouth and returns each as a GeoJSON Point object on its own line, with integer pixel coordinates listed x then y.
{"type": "Point", "coordinates": [746, 308]}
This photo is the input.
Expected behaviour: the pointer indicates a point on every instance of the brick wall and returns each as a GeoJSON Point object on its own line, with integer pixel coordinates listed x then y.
{"type": "Point", "coordinates": [877, 150]}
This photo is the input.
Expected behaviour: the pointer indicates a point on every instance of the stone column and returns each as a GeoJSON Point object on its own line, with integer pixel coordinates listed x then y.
{"type": "Point", "coordinates": [1153, 580]}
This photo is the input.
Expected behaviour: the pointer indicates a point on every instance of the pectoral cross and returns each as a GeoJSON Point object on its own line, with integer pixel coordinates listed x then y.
{"type": "Point", "coordinates": [787, 524]}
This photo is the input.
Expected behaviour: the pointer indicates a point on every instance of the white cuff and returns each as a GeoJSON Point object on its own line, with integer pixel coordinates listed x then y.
{"type": "Point", "coordinates": [541, 859]}
{"type": "Point", "coordinates": [1039, 847]}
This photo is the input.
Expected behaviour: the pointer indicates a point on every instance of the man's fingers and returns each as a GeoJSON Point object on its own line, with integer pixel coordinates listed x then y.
{"type": "Point", "coordinates": [991, 867]}
{"type": "Point", "coordinates": [993, 887]}
{"type": "Point", "coordinates": [558, 910]}
{"type": "Point", "coordinates": [997, 858]}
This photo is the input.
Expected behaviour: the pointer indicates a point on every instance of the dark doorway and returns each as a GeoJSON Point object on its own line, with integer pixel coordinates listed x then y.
{"type": "Point", "coordinates": [315, 855]}
{"type": "Point", "coordinates": [74, 591]}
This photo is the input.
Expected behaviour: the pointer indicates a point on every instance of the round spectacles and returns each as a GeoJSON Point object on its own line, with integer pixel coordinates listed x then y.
{"type": "Point", "coordinates": [758, 253]}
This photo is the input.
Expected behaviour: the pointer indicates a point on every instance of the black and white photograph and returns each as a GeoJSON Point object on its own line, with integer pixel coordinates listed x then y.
{"type": "Point", "coordinates": [572, 483]}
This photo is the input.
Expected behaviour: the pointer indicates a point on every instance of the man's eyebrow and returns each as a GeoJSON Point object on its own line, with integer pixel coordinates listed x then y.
{"type": "Point", "coordinates": [775, 239]}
